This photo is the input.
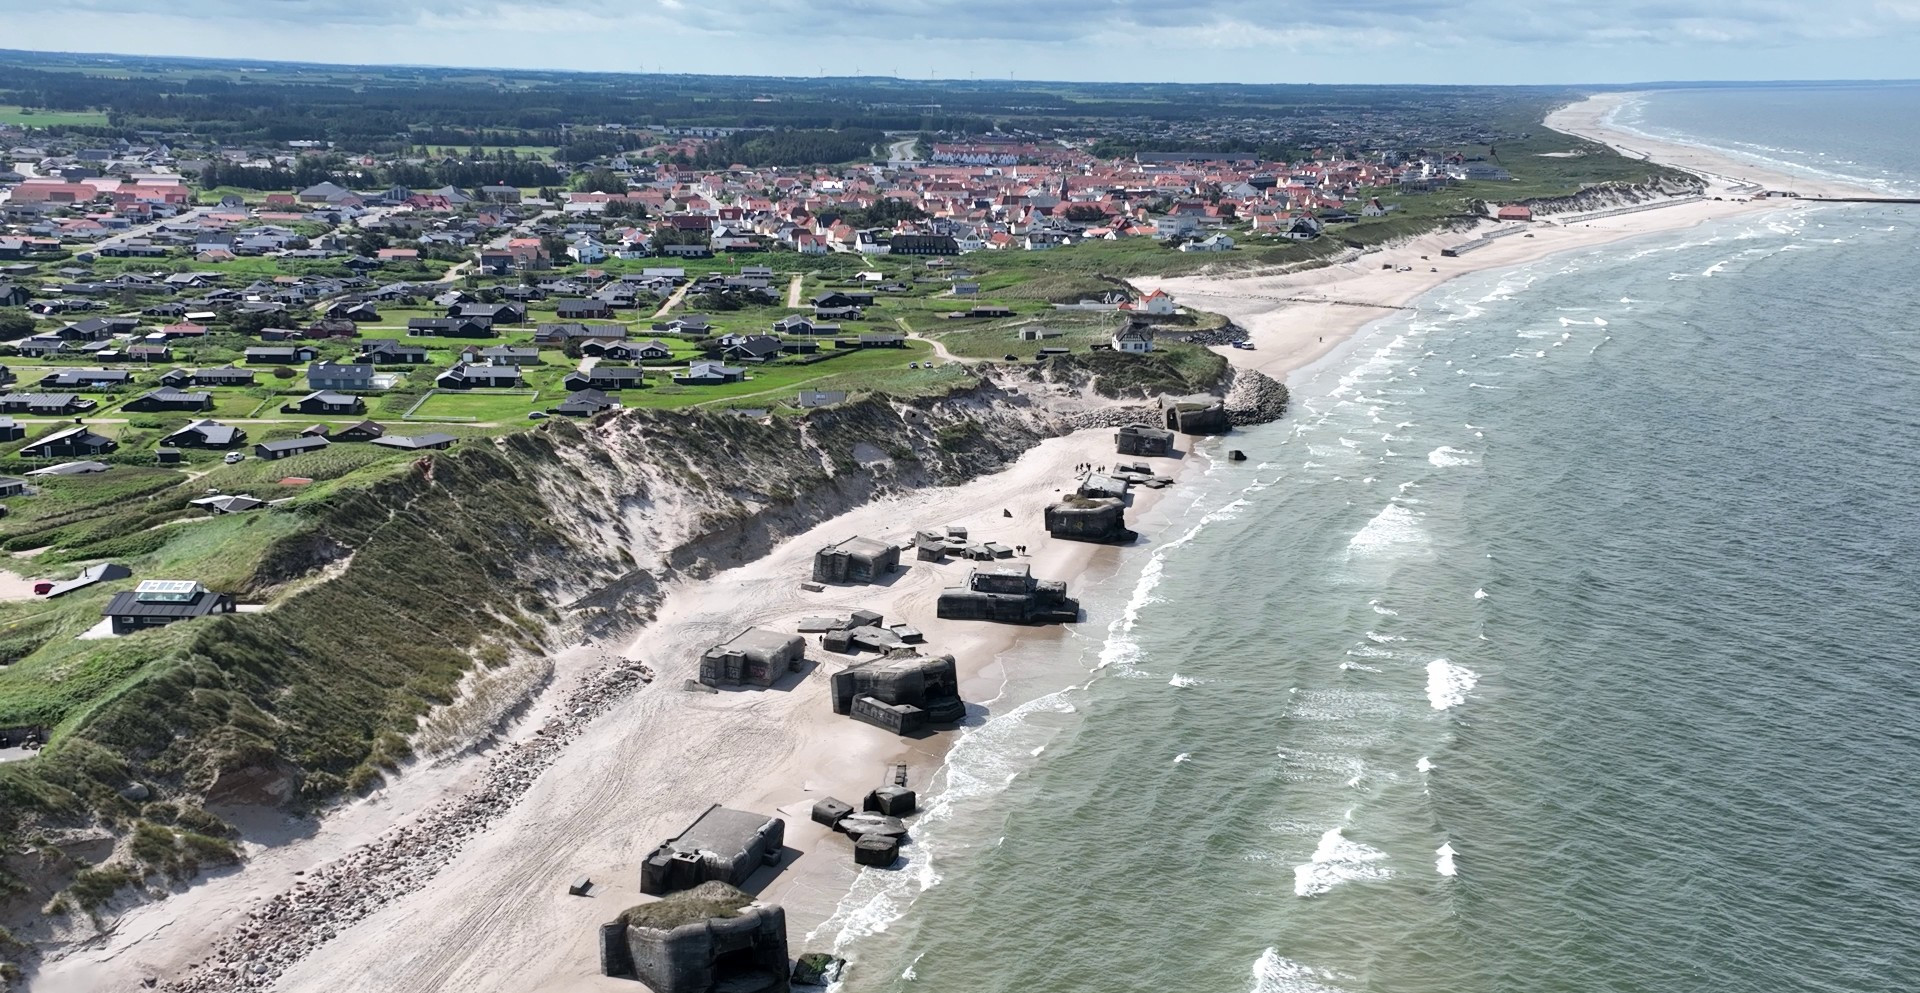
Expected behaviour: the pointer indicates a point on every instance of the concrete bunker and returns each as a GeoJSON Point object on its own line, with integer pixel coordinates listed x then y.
{"type": "Point", "coordinates": [1143, 439]}
{"type": "Point", "coordinates": [902, 691]}
{"type": "Point", "coordinates": [722, 844]}
{"type": "Point", "coordinates": [754, 657]}
{"type": "Point", "coordinates": [1198, 413]}
{"type": "Point", "coordinates": [710, 939]}
{"type": "Point", "coordinates": [1097, 519]}
{"type": "Point", "coordinates": [1010, 594]}
{"type": "Point", "coordinates": [855, 560]}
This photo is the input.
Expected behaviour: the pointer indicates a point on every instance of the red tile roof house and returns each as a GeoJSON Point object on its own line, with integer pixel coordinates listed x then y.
{"type": "Point", "coordinates": [1515, 212]}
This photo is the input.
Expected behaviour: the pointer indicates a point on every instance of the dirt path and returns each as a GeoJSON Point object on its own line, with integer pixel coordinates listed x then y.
{"type": "Point", "coordinates": [793, 290]}
{"type": "Point", "coordinates": [672, 301]}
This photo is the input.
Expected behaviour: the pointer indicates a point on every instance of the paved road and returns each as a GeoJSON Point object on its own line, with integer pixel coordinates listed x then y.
{"type": "Point", "coordinates": [900, 153]}
{"type": "Point", "coordinates": [143, 230]}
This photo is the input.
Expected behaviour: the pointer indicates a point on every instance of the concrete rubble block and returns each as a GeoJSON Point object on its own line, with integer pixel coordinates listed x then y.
{"type": "Point", "coordinates": [831, 812]}
{"type": "Point", "coordinates": [839, 640]}
{"type": "Point", "coordinates": [860, 825]}
{"type": "Point", "coordinates": [721, 845]}
{"type": "Point", "coordinates": [893, 801]}
{"type": "Point", "coordinates": [817, 624]}
{"type": "Point", "coordinates": [1008, 594]}
{"type": "Point", "coordinates": [580, 886]}
{"type": "Point", "coordinates": [877, 850]}
{"type": "Point", "coordinates": [855, 560]}
{"type": "Point", "coordinates": [902, 691]}
{"type": "Point", "coordinates": [865, 618]}
{"type": "Point", "coordinates": [1143, 439]}
{"type": "Point", "coordinates": [817, 969]}
{"type": "Point", "coordinates": [1199, 413]}
{"type": "Point", "coordinates": [754, 657]}
{"type": "Point", "coordinates": [711, 939]}
{"type": "Point", "coordinates": [1101, 520]}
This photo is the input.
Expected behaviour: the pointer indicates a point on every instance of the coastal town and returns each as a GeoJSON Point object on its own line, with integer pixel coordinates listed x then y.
{"type": "Point", "coordinates": [759, 442]}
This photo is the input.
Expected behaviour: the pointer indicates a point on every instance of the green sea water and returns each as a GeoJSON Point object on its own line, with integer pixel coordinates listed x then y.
{"type": "Point", "coordinates": [1561, 639]}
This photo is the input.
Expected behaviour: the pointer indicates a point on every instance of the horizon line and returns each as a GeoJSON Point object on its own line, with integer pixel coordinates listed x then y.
{"type": "Point", "coordinates": [641, 74]}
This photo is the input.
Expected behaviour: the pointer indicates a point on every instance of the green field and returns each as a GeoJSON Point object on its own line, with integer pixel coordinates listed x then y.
{"type": "Point", "coordinates": [28, 117]}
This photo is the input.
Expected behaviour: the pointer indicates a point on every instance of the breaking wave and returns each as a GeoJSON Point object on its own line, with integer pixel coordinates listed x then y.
{"type": "Point", "coordinates": [1338, 860]}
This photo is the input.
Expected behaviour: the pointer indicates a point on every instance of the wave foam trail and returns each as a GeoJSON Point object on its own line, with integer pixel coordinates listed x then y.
{"type": "Point", "coordinates": [1444, 863]}
{"type": "Point", "coordinates": [1275, 974]}
{"type": "Point", "coordinates": [1183, 681]}
{"type": "Point", "coordinates": [1395, 526]}
{"type": "Point", "coordinates": [1446, 456]}
{"type": "Point", "coordinates": [1183, 757]}
{"type": "Point", "coordinates": [1479, 594]}
{"type": "Point", "coordinates": [1448, 684]}
{"type": "Point", "coordinates": [1338, 860]}
{"type": "Point", "coordinates": [1424, 765]}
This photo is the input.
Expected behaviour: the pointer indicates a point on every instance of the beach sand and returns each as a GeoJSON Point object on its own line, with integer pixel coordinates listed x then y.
{"type": "Point", "coordinates": [1296, 318]}
{"type": "Point", "coordinates": [498, 917]}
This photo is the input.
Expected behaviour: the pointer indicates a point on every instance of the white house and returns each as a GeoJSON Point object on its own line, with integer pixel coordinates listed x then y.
{"type": "Point", "coordinates": [1174, 227]}
{"type": "Point", "coordinates": [1157, 303]}
{"type": "Point", "coordinates": [1213, 243]}
{"type": "Point", "coordinates": [1133, 338]}
{"type": "Point", "coordinates": [587, 251]}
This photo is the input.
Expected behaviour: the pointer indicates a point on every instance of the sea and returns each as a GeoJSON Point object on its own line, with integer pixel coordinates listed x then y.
{"type": "Point", "coordinates": [1561, 638]}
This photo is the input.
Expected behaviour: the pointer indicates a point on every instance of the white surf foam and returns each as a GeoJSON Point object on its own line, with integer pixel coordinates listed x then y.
{"type": "Point", "coordinates": [1338, 860]}
{"type": "Point", "coordinates": [1444, 863]}
{"type": "Point", "coordinates": [1183, 681]}
{"type": "Point", "coordinates": [1424, 765]}
{"type": "Point", "coordinates": [1182, 757]}
{"type": "Point", "coordinates": [1479, 594]}
{"type": "Point", "coordinates": [1446, 456]}
{"type": "Point", "coordinates": [1448, 684]}
{"type": "Point", "coordinates": [1274, 974]}
{"type": "Point", "coordinates": [1394, 527]}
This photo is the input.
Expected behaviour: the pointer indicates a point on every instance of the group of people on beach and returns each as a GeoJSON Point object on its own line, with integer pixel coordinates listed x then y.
{"type": "Point", "coordinates": [1086, 467]}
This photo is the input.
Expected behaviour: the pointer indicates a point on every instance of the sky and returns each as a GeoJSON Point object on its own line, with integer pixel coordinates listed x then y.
{"type": "Point", "coordinates": [1265, 41]}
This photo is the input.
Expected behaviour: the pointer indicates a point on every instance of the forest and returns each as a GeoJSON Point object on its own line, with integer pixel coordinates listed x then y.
{"type": "Point", "coordinates": [390, 109]}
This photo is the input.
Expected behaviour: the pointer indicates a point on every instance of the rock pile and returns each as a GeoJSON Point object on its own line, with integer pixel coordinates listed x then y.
{"type": "Point", "coordinates": [327, 900]}
{"type": "Point", "coordinates": [1255, 398]}
{"type": "Point", "coordinates": [1226, 334]}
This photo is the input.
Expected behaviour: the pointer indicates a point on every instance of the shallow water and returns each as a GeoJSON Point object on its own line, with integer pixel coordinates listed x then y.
{"type": "Point", "coordinates": [1559, 640]}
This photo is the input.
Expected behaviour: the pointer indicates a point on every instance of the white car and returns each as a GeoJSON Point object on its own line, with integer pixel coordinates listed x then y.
{"type": "Point", "coordinates": [233, 457]}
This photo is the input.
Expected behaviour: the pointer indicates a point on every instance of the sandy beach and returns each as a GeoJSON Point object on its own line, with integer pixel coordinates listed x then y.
{"type": "Point", "coordinates": [498, 917]}
{"type": "Point", "coordinates": [651, 765]}
{"type": "Point", "coordinates": [1296, 318]}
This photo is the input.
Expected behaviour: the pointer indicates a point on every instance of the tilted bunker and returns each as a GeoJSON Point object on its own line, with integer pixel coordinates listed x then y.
{"type": "Point", "coordinates": [711, 939]}
{"type": "Point", "coordinates": [1008, 593]}
{"type": "Point", "coordinates": [1142, 439]}
{"type": "Point", "coordinates": [1199, 413]}
{"type": "Point", "coordinates": [1095, 519]}
{"type": "Point", "coordinates": [902, 691]}
{"type": "Point", "coordinates": [724, 845]}
{"type": "Point", "coordinates": [754, 657]}
{"type": "Point", "coordinates": [855, 560]}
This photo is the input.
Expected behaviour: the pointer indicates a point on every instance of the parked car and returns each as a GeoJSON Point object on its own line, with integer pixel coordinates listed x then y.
{"type": "Point", "coordinates": [233, 457]}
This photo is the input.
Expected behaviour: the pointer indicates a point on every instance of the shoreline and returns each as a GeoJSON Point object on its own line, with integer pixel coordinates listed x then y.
{"type": "Point", "coordinates": [1296, 319]}
{"type": "Point", "coordinates": [662, 754]}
